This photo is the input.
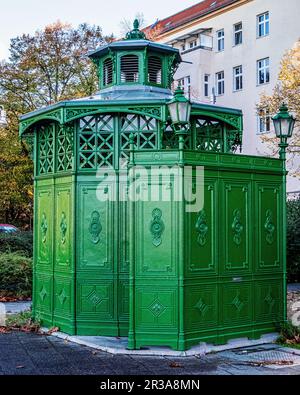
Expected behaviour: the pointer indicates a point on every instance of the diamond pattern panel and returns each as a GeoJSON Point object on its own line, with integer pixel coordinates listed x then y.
{"type": "Point", "coordinates": [96, 142]}
{"type": "Point", "coordinates": [46, 149]}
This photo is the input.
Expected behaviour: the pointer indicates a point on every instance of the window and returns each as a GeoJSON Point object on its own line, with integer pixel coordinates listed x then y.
{"type": "Point", "coordinates": [185, 84]}
{"type": "Point", "coordinates": [263, 25]}
{"type": "Point", "coordinates": [181, 83]}
{"type": "Point", "coordinates": [238, 78]}
{"type": "Point", "coordinates": [206, 85]}
{"type": "Point", "coordinates": [129, 68]}
{"type": "Point", "coordinates": [107, 77]}
{"type": "Point", "coordinates": [238, 33]}
{"type": "Point", "coordinates": [263, 71]}
{"type": "Point", "coordinates": [193, 44]}
{"type": "Point", "coordinates": [154, 70]}
{"type": "Point", "coordinates": [220, 40]}
{"type": "Point", "coordinates": [264, 121]}
{"type": "Point", "coordinates": [220, 83]}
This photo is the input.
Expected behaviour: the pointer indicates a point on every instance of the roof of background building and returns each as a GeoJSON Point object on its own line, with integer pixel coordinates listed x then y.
{"type": "Point", "coordinates": [187, 15]}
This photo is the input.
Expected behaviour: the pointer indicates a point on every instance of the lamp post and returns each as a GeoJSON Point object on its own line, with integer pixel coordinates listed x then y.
{"type": "Point", "coordinates": [284, 124]}
{"type": "Point", "coordinates": [180, 112]}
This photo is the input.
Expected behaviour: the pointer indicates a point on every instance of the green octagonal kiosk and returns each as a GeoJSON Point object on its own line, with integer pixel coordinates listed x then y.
{"type": "Point", "coordinates": [151, 268]}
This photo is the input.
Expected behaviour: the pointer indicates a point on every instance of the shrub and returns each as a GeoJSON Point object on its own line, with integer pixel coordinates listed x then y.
{"type": "Point", "coordinates": [15, 274]}
{"type": "Point", "coordinates": [289, 334]}
{"type": "Point", "coordinates": [293, 240]}
{"type": "Point", "coordinates": [15, 242]}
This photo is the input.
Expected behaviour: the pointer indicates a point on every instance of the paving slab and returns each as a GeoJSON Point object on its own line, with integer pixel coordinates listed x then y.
{"type": "Point", "coordinates": [116, 345]}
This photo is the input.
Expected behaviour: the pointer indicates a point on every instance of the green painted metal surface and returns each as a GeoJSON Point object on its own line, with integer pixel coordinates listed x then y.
{"type": "Point", "coordinates": [149, 269]}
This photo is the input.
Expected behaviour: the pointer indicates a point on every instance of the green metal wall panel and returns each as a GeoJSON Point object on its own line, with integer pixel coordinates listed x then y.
{"type": "Point", "coordinates": [149, 269]}
{"type": "Point", "coordinates": [268, 197]}
{"type": "Point", "coordinates": [202, 240]}
{"type": "Point", "coordinates": [235, 212]}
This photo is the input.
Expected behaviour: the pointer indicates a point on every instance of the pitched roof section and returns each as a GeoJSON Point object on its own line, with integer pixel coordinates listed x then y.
{"type": "Point", "coordinates": [189, 14]}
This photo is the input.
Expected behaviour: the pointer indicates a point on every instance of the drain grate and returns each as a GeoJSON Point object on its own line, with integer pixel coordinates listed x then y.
{"type": "Point", "coordinates": [271, 358]}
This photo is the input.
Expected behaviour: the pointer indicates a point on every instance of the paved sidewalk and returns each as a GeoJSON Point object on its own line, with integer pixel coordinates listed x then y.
{"type": "Point", "coordinates": [17, 307]}
{"type": "Point", "coordinates": [293, 287]}
{"type": "Point", "coordinates": [28, 354]}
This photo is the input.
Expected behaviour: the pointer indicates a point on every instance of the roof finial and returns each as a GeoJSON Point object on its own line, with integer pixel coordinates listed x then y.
{"type": "Point", "coordinates": [136, 34]}
{"type": "Point", "coordinates": [136, 24]}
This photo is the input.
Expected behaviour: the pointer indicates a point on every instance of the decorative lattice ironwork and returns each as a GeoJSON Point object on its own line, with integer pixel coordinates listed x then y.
{"type": "Point", "coordinates": [96, 142]}
{"type": "Point", "coordinates": [64, 148]}
{"type": "Point", "coordinates": [144, 130]}
{"type": "Point", "coordinates": [98, 136]}
{"type": "Point", "coordinates": [233, 141]}
{"type": "Point", "coordinates": [170, 139]}
{"type": "Point", "coordinates": [209, 135]}
{"type": "Point", "coordinates": [46, 138]}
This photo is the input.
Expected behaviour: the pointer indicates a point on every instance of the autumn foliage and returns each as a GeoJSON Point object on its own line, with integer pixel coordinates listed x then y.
{"type": "Point", "coordinates": [287, 90]}
{"type": "Point", "coordinates": [43, 68]}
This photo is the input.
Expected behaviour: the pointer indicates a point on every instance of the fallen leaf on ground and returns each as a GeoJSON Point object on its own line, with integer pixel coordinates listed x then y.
{"type": "Point", "coordinates": [4, 299]}
{"type": "Point", "coordinates": [53, 330]}
{"type": "Point", "coordinates": [175, 365]}
{"type": "Point", "coordinates": [20, 367]}
{"type": "Point", "coordinates": [4, 329]}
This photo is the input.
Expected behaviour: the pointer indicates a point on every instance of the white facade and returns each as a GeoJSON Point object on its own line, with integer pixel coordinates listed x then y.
{"type": "Point", "coordinates": [213, 68]}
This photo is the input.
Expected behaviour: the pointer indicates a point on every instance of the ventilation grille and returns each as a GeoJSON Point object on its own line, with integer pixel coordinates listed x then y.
{"type": "Point", "coordinates": [154, 70]}
{"type": "Point", "coordinates": [129, 68]}
{"type": "Point", "coordinates": [107, 72]}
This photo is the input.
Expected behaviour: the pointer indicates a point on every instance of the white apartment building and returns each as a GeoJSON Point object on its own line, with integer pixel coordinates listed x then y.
{"type": "Point", "coordinates": [232, 51]}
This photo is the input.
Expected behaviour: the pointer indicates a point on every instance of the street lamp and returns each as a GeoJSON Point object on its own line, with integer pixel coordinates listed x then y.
{"type": "Point", "coordinates": [3, 121]}
{"type": "Point", "coordinates": [180, 112]}
{"type": "Point", "coordinates": [284, 124]}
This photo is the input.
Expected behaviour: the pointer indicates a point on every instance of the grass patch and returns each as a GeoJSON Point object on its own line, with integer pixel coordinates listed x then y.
{"type": "Point", "coordinates": [296, 346]}
{"type": "Point", "coordinates": [22, 322]}
{"type": "Point", "coordinates": [289, 335]}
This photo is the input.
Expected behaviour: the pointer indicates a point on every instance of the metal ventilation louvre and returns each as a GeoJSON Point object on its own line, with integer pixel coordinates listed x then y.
{"type": "Point", "coordinates": [129, 68]}
{"type": "Point", "coordinates": [154, 70]}
{"type": "Point", "coordinates": [107, 72]}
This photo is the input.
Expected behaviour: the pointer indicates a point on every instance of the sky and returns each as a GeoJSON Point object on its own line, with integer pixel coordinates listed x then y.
{"type": "Point", "coordinates": [27, 16]}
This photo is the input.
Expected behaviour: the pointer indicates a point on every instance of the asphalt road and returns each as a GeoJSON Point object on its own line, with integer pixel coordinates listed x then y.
{"type": "Point", "coordinates": [31, 354]}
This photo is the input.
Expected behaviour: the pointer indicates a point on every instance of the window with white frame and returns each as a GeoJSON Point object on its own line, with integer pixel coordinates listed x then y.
{"type": "Point", "coordinates": [221, 40]}
{"type": "Point", "coordinates": [238, 78]}
{"type": "Point", "coordinates": [238, 33]}
{"type": "Point", "coordinates": [263, 71]}
{"type": "Point", "coordinates": [185, 84]}
{"type": "Point", "coordinates": [180, 83]}
{"type": "Point", "coordinates": [264, 121]}
{"type": "Point", "coordinates": [263, 24]}
{"type": "Point", "coordinates": [206, 85]}
{"type": "Point", "coordinates": [193, 44]}
{"type": "Point", "coordinates": [220, 83]}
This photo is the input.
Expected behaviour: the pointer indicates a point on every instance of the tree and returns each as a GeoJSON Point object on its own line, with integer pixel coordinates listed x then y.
{"type": "Point", "coordinates": [126, 25]}
{"type": "Point", "coordinates": [44, 68]}
{"type": "Point", "coordinates": [287, 90]}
